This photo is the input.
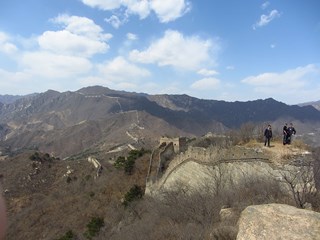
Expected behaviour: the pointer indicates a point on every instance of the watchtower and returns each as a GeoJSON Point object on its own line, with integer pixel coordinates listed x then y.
{"type": "Point", "coordinates": [179, 143]}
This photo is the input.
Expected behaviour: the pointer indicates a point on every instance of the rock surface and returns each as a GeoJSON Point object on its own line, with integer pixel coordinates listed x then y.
{"type": "Point", "coordinates": [278, 221]}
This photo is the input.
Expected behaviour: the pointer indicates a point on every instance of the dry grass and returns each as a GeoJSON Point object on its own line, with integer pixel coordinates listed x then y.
{"type": "Point", "coordinates": [278, 152]}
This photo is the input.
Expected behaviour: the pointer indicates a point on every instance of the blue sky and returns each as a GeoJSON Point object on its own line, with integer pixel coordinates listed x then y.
{"type": "Point", "coordinates": [211, 49]}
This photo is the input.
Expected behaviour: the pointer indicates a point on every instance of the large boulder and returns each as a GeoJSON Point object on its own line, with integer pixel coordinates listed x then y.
{"type": "Point", "coordinates": [278, 221]}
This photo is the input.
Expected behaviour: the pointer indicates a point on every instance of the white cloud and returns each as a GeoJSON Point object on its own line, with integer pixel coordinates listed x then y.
{"type": "Point", "coordinates": [103, 4]}
{"type": "Point", "coordinates": [138, 7]}
{"type": "Point", "coordinates": [178, 51]}
{"type": "Point", "coordinates": [291, 83]}
{"type": "Point", "coordinates": [207, 72]}
{"type": "Point", "coordinates": [5, 45]}
{"type": "Point", "coordinates": [12, 82]}
{"type": "Point", "coordinates": [118, 74]}
{"type": "Point", "coordinates": [115, 21]}
{"type": "Point", "coordinates": [67, 43]}
{"type": "Point", "coordinates": [265, 5]}
{"type": "Point", "coordinates": [55, 58]}
{"type": "Point", "coordinates": [82, 26]}
{"type": "Point", "coordinates": [266, 19]}
{"type": "Point", "coordinates": [12, 77]}
{"type": "Point", "coordinates": [119, 69]}
{"type": "Point", "coordinates": [80, 37]}
{"type": "Point", "coordinates": [170, 10]}
{"type": "Point", "coordinates": [166, 10]}
{"type": "Point", "coordinates": [20, 83]}
{"type": "Point", "coordinates": [51, 66]}
{"type": "Point", "coordinates": [206, 84]}
{"type": "Point", "coordinates": [132, 36]}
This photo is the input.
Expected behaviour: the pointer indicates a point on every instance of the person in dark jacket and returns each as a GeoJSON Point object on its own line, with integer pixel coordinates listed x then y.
{"type": "Point", "coordinates": [285, 133]}
{"type": "Point", "coordinates": [267, 135]}
{"type": "Point", "coordinates": [290, 131]}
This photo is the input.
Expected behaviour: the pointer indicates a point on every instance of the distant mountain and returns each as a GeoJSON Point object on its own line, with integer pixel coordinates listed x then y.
{"type": "Point", "coordinates": [234, 114]}
{"type": "Point", "coordinates": [12, 98]}
{"type": "Point", "coordinates": [9, 98]}
{"type": "Point", "coordinates": [316, 104]}
{"type": "Point", "coordinates": [101, 119]}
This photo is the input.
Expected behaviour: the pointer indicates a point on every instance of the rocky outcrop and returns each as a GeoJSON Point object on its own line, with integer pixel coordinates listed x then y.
{"type": "Point", "coordinates": [278, 221]}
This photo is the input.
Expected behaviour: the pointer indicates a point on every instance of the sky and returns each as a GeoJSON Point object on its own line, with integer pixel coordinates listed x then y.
{"type": "Point", "coordinates": [210, 49]}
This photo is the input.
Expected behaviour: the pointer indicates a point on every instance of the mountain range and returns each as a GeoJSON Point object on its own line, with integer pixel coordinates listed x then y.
{"type": "Point", "coordinates": [100, 119]}
{"type": "Point", "coordinates": [315, 104]}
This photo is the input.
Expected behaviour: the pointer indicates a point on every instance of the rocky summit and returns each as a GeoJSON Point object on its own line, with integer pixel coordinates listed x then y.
{"type": "Point", "coordinates": [278, 221]}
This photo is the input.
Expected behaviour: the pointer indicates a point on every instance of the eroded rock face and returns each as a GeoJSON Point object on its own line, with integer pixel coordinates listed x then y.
{"type": "Point", "coordinates": [278, 221]}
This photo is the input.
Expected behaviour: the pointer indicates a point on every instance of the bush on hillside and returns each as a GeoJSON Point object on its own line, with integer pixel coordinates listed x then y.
{"type": "Point", "coordinates": [93, 227]}
{"type": "Point", "coordinates": [42, 157]}
{"type": "Point", "coordinates": [135, 193]}
{"type": "Point", "coordinates": [119, 163]}
{"type": "Point", "coordinates": [68, 236]}
{"type": "Point", "coordinates": [128, 163]}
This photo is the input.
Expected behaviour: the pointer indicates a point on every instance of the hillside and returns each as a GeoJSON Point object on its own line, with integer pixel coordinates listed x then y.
{"type": "Point", "coordinates": [46, 196]}
{"type": "Point", "coordinates": [53, 197]}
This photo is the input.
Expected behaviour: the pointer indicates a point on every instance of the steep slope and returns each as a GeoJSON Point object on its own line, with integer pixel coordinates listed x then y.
{"type": "Point", "coordinates": [47, 198]}
{"type": "Point", "coordinates": [120, 129]}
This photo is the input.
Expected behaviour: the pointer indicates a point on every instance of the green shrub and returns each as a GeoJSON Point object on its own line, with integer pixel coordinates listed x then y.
{"type": "Point", "coordinates": [119, 163]}
{"type": "Point", "coordinates": [136, 153]}
{"type": "Point", "coordinates": [42, 157]}
{"type": "Point", "coordinates": [93, 227]}
{"type": "Point", "coordinates": [68, 236]}
{"type": "Point", "coordinates": [136, 192]}
{"type": "Point", "coordinates": [35, 157]}
{"type": "Point", "coordinates": [129, 165]}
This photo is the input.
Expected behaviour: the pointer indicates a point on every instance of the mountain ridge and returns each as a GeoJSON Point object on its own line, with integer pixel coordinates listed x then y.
{"type": "Point", "coordinates": [315, 104]}
{"type": "Point", "coordinates": [95, 115]}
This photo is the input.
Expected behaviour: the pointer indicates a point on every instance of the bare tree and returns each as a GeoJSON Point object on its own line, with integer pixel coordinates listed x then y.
{"type": "Point", "coordinates": [300, 180]}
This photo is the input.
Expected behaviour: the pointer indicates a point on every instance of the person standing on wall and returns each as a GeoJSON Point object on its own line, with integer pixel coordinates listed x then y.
{"type": "Point", "coordinates": [285, 133]}
{"type": "Point", "coordinates": [290, 131]}
{"type": "Point", "coordinates": [267, 135]}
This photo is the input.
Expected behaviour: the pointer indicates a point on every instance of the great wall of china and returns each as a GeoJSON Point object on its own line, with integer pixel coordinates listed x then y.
{"type": "Point", "coordinates": [198, 165]}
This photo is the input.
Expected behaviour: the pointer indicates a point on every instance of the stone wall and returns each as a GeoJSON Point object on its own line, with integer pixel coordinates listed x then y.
{"type": "Point", "coordinates": [165, 156]}
{"type": "Point", "coordinates": [179, 143]}
{"type": "Point", "coordinates": [199, 165]}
